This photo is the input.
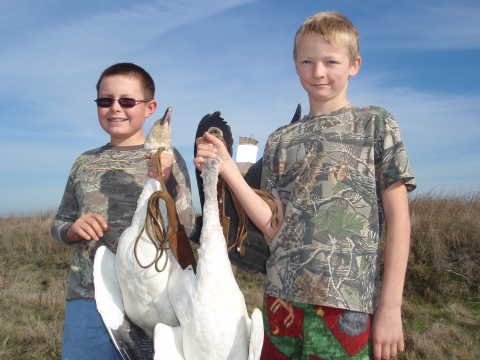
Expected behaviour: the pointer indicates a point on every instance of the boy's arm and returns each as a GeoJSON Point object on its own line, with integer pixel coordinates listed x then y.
{"type": "Point", "coordinates": [257, 209]}
{"type": "Point", "coordinates": [387, 330]}
{"type": "Point", "coordinates": [66, 215]}
{"type": "Point", "coordinates": [68, 228]}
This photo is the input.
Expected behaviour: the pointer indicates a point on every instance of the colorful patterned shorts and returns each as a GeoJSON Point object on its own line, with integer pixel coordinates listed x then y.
{"type": "Point", "coordinates": [296, 331]}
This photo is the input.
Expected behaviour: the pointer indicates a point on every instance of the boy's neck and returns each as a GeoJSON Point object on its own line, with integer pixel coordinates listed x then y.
{"type": "Point", "coordinates": [321, 108]}
{"type": "Point", "coordinates": [131, 141]}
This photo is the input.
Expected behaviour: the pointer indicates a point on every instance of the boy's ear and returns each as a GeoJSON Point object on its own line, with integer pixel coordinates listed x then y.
{"type": "Point", "coordinates": [355, 66]}
{"type": "Point", "coordinates": [151, 107]}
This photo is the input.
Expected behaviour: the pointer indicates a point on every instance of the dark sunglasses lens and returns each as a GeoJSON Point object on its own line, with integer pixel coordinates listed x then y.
{"type": "Point", "coordinates": [127, 102]}
{"type": "Point", "coordinates": [104, 102]}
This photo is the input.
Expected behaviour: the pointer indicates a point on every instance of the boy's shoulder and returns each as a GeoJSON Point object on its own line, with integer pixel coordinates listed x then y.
{"type": "Point", "coordinates": [371, 110]}
{"type": "Point", "coordinates": [94, 151]}
{"type": "Point", "coordinates": [86, 156]}
{"type": "Point", "coordinates": [112, 149]}
{"type": "Point", "coordinates": [369, 121]}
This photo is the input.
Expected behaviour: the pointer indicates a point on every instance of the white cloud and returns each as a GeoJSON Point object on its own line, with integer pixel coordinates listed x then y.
{"type": "Point", "coordinates": [100, 37]}
{"type": "Point", "coordinates": [48, 77]}
{"type": "Point", "coordinates": [429, 119]}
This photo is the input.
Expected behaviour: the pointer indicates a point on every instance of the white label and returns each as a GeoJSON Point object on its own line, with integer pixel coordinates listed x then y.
{"type": "Point", "coordinates": [247, 153]}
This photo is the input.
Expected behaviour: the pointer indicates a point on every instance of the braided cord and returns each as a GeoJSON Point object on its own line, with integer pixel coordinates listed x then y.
{"type": "Point", "coordinates": [154, 223]}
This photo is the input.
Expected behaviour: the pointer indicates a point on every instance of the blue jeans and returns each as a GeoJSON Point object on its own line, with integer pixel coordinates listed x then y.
{"type": "Point", "coordinates": [84, 334]}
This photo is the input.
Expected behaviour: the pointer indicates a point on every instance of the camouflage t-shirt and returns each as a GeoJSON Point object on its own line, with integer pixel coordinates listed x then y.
{"type": "Point", "coordinates": [330, 171]}
{"type": "Point", "coordinates": [108, 181]}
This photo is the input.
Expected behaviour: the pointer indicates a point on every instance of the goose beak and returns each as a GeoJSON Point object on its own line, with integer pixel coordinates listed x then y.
{"type": "Point", "coordinates": [167, 117]}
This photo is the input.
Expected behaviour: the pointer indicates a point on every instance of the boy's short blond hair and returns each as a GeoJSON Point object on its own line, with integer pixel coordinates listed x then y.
{"type": "Point", "coordinates": [334, 28]}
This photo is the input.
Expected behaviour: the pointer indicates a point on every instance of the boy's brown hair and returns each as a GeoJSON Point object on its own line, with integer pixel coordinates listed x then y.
{"type": "Point", "coordinates": [130, 70]}
{"type": "Point", "coordinates": [334, 28]}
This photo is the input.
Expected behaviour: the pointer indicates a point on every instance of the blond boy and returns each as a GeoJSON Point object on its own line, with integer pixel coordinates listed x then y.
{"type": "Point", "coordinates": [337, 176]}
{"type": "Point", "coordinates": [100, 199]}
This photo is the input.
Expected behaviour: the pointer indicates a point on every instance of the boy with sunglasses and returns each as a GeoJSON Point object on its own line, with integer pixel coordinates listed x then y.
{"type": "Point", "coordinates": [337, 176]}
{"type": "Point", "coordinates": [101, 197]}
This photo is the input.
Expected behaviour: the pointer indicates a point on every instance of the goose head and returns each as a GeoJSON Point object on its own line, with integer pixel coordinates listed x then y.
{"type": "Point", "coordinates": [160, 135]}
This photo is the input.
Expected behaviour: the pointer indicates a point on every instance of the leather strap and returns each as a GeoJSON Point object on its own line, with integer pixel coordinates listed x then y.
{"type": "Point", "coordinates": [242, 218]}
{"type": "Point", "coordinates": [155, 227]}
{"type": "Point", "coordinates": [224, 219]}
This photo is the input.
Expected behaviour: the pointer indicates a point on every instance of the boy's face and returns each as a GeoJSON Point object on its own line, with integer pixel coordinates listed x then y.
{"type": "Point", "coordinates": [324, 69]}
{"type": "Point", "coordinates": [125, 125]}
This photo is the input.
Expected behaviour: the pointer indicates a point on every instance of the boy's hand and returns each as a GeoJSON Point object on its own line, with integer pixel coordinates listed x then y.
{"type": "Point", "coordinates": [167, 164]}
{"type": "Point", "coordinates": [387, 333]}
{"type": "Point", "coordinates": [88, 226]}
{"type": "Point", "coordinates": [209, 146]}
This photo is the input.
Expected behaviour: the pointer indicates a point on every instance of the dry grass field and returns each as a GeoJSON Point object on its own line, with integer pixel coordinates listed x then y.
{"type": "Point", "coordinates": [442, 290]}
{"type": "Point", "coordinates": [442, 294]}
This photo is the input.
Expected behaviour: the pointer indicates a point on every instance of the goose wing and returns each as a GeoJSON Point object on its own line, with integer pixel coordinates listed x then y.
{"type": "Point", "coordinates": [130, 341]}
{"type": "Point", "coordinates": [256, 335]}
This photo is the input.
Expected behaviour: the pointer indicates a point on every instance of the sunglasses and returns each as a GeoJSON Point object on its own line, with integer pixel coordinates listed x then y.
{"type": "Point", "coordinates": [124, 102]}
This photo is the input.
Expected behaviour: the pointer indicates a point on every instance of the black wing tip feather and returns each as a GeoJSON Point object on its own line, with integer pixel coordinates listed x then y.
{"type": "Point", "coordinates": [298, 114]}
{"type": "Point", "coordinates": [212, 118]}
{"type": "Point", "coordinates": [216, 120]}
{"type": "Point", "coordinates": [216, 114]}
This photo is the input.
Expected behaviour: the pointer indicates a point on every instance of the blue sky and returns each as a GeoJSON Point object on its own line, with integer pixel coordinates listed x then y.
{"type": "Point", "coordinates": [420, 61]}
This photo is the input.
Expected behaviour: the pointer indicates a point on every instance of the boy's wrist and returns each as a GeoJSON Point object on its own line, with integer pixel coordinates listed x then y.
{"type": "Point", "coordinates": [390, 301]}
{"type": "Point", "coordinates": [390, 305]}
{"type": "Point", "coordinates": [68, 235]}
{"type": "Point", "coordinates": [229, 167]}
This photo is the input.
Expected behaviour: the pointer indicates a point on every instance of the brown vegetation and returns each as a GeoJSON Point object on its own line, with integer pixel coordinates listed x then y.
{"type": "Point", "coordinates": [442, 289]}
{"type": "Point", "coordinates": [33, 274]}
{"type": "Point", "coordinates": [442, 292]}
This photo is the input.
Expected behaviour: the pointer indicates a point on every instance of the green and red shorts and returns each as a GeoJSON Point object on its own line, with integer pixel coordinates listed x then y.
{"type": "Point", "coordinates": [297, 331]}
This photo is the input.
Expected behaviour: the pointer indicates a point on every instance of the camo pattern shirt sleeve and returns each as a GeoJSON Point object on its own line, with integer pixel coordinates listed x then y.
{"type": "Point", "coordinates": [330, 171]}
